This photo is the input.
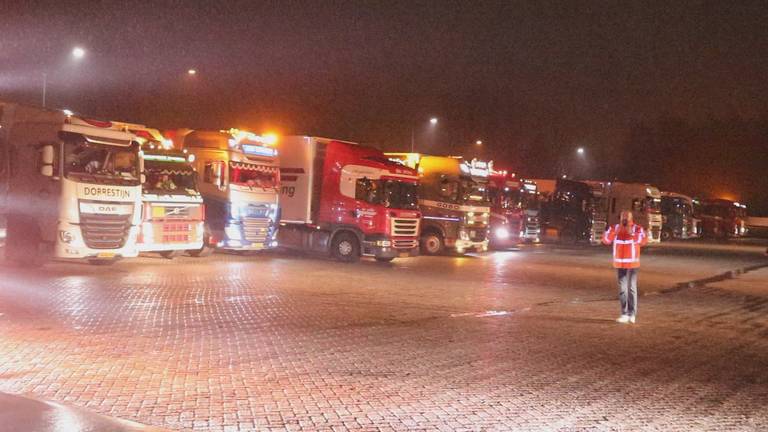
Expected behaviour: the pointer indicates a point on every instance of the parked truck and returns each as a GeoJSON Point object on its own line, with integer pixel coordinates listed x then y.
{"type": "Point", "coordinates": [514, 209]}
{"type": "Point", "coordinates": [723, 218]}
{"type": "Point", "coordinates": [346, 200]}
{"type": "Point", "coordinates": [239, 185]}
{"type": "Point", "coordinates": [575, 211]}
{"type": "Point", "coordinates": [643, 200]}
{"type": "Point", "coordinates": [678, 220]}
{"type": "Point", "coordinates": [70, 186]}
{"type": "Point", "coordinates": [172, 207]}
{"type": "Point", "coordinates": [453, 198]}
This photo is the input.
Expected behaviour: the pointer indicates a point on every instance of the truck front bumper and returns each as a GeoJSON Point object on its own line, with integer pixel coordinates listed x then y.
{"type": "Point", "coordinates": [385, 248]}
{"type": "Point", "coordinates": [71, 245]}
{"type": "Point", "coordinates": [468, 245]}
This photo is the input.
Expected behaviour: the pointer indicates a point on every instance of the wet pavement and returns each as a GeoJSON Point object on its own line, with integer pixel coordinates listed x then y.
{"type": "Point", "coordinates": [25, 414]}
{"type": "Point", "coordinates": [514, 340]}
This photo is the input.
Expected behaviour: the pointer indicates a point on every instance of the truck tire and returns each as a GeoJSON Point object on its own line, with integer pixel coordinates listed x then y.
{"type": "Point", "coordinates": [207, 249]}
{"type": "Point", "coordinates": [22, 243]}
{"type": "Point", "coordinates": [666, 235]}
{"type": "Point", "coordinates": [432, 243]}
{"type": "Point", "coordinates": [345, 247]}
{"type": "Point", "coordinates": [203, 252]}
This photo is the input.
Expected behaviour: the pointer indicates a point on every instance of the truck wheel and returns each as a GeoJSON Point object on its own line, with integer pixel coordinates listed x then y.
{"type": "Point", "coordinates": [203, 252]}
{"type": "Point", "coordinates": [345, 247]}
{"type": "Point", "coordinates": [171, 254]}
{"type": "Point", "coordinates": [432, 244]}
{"type": "Point", "coordinates": [384, 259]}
{"type": "Point", "coordinates": [22, 243]}
{"type": "Point", "coordinates": [666, 235]}
{"type": "Point", "coordinates": [207, 249]}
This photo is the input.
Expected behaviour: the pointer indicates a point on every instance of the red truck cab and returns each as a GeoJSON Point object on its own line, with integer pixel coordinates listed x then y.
{"type": "Point", "coordinates": [514, 210]}
{"type": "Point", "coordinates": [724, 218]}
{"type": "Point", "coordinates": [346, 199]}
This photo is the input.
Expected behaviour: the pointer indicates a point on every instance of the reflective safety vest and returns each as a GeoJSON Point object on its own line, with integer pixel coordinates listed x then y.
{"type": "Point", "coordinates": [626, 244]}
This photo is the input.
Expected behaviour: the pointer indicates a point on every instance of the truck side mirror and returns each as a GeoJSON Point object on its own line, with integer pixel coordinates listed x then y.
{"type": "Point", "coordinates": [46, 160]}
{"type": "Point", "coordinates": [142, 174]}
{"type": "Point", "coordinates": [220, 180]}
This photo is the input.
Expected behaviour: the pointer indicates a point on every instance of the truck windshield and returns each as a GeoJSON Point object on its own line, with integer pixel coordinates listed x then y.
{"type": "Point", "coordinates": [170, 179]}
{"type": "Point", "coordinates": [677, 206]}
{"type": "Point", "coordinates": [507, 198]}
{"type": "Point", "coordinates": [253, 175]}
{"type": "Point", "coordinates": [388, 193]}
{"type": "Point", "coordinates": [472, 191]}
{"type": "Point", "coordinates": [653, 205]}
{"type": "Point", "coordinates": [101, 163]}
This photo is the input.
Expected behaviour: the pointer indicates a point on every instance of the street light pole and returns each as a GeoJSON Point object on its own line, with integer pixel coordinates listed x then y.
{"type": "Point", "coordinates": [45, 86]}
{"type": "Point", "coordinates": [77, 53]}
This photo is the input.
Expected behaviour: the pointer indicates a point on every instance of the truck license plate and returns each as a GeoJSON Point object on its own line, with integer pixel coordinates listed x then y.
{"type": "Point", "coordinates": [404, 255]}
{"type": "Point", "coordinates": [105, 255]}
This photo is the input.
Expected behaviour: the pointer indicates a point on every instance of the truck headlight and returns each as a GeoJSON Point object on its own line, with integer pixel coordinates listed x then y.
{"type": "Point", "coordinates": [66, 237]}
{"type": "Point", "coordinates": [234, 211]}
{"type": "Point", "coordinates": [147, 232]}
{"type": "Point", "coordinates": [463, 235]}
{"type": "Point", "coordinates": [233, 232]}
{"type": "Point", "coordinates": [383, 243]}
{"type": "Point", "coordinates": [502, 233]}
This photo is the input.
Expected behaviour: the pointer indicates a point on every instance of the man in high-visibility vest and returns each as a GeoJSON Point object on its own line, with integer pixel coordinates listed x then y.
{"type": "Point", "coordinates": [626, 238]}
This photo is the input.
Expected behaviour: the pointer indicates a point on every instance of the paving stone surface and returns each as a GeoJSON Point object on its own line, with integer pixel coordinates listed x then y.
{"type": "Point", "coordinates": [515, 340]}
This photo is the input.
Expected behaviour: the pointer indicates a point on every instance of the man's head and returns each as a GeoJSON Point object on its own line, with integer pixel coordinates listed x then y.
{"type": "Point", "coordinates": [626, 218]}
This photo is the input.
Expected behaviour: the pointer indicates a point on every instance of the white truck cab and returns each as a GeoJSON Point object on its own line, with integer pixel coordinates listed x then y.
{"type": "Point", "coordinates": [70, 187]}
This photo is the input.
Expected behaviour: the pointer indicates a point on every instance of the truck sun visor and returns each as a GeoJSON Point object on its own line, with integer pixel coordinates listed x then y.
{"type": "Point", "coordinates": [108, 141]}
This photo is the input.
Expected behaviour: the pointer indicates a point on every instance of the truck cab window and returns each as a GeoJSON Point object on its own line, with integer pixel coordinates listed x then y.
{"type": "Point", "coordinates": [212, 173]}
{"type": "Point", "coordinates": [100, 162]}
{"type": "Point", "coordinates": [388, 193]}
{"type": "Point", "coordinates": [449, 189]}
{"type": "Point", "coordinates": [367, 190]}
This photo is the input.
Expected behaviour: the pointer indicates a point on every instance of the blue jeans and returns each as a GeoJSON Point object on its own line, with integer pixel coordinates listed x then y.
{"type": "Point", "coordinates": [628, 291]}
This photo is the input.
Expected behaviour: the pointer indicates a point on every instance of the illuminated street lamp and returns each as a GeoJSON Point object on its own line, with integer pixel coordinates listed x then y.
{"type": "Point", "coordinates": [580, 150]}
{"type": "Point", "coordinates": [192, 72]}
{"type": "Point", "coordinates": [432, 122]}
{"type": "Point", "coordinates": [479, 142]}
{"type": "Point", "coordinates": [78, 53]}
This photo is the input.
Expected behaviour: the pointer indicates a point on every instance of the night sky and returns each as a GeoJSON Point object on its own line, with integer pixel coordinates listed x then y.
{"type": "Point", "coordinates": [672, 93]}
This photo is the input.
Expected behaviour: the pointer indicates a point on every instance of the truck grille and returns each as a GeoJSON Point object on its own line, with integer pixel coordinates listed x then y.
{"type": "Point", "coordinates": [175, 212]}
{"type": "Point", "coordinates": [256, 230]}
{"type": "Point", "coordinates": [598, 229]}
{"type": "Point", "coordinates": [532, 228]}
{"type": "Point", "coordinates": [405, 244]}
{"type": "Point", "coordinates": [105, 231]}
{"type": "Point", "coordinates": [478, 235]}
{"type": "Point", "coordinates": [405, 227]}
{"type": "Point", "coordinates": [176, 232]}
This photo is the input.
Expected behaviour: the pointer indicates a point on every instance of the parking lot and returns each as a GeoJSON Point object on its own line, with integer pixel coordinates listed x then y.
{"type": "Point", "coordinates": [523, 339]}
